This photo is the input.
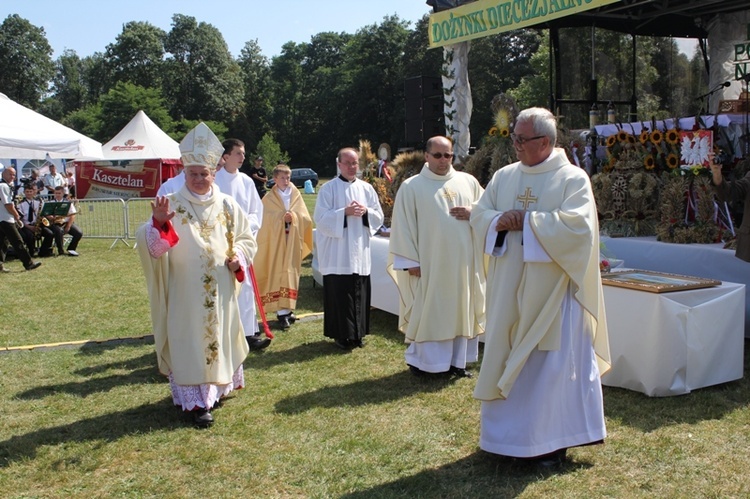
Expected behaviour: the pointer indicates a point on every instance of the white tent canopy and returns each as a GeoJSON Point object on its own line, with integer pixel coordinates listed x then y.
{"type": "Point", "coordinates": [27, 134]}
{"type": "Point", "coordinates": [141, 139]}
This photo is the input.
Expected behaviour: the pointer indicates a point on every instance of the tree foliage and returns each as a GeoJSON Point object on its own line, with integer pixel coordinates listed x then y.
{"type": "Point", "coordinates": [333, 91]}
{"type": "Point", "coordinates": [26, 66]}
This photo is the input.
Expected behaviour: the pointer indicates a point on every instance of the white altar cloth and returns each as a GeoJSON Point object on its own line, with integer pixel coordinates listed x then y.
{"type": "Point", "coordinates": [700, 260]}
{"type": "Point", "coordinates": [671, 343]}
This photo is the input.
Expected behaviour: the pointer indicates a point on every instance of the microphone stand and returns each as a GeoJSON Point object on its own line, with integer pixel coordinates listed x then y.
{"type": "Point", "coordinates": [703, 109]}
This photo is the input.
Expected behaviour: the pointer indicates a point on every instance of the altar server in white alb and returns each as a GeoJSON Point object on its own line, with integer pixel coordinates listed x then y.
{"type": "Point", "coordinates": [240, 186]}
{"type": "Point", "coordinates": [195, 254]}
{"type": "Point", "coordinates": [437, 266]}
{"type": "Point", "coordinates": [347, 214]}
{"type": "Point", "coordinates": [546, 338]}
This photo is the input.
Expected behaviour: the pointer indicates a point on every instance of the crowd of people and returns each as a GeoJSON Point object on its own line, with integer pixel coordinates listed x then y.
{"type": "Point", "coordinates": [30, 228]}
{"type": "Point", "coordinates": [513, 266]}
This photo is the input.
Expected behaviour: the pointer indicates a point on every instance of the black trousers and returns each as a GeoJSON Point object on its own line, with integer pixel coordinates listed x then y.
{"type": "Point", "coordinates": [29, 237]}
{"type": "Point", "coordinates": [9, 234]}
{"type": "Point", "coordinates": [58, 232]}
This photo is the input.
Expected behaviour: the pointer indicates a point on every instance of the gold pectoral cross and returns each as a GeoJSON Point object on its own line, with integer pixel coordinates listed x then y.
{"type": "Point", "coordinates": [526, 199]}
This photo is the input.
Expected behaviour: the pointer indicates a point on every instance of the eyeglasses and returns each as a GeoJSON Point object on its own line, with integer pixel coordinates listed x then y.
{"type": "Point", "coordinates": [438, 155]}
{"type": "Point", "coordinates": [522, 140]}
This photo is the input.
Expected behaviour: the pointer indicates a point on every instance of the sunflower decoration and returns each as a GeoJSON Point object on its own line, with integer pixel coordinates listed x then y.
{"type": "Point", "coordinates": [673, 161]}
{"type": "Point", "coordinates": [631, 139]}
{"type": "Point", "coordinates": [492, 132]}
{"type": "Point", "coordinates": [672, 136]}
{"type": "Point", "coordinates": [644, 136]}
{"type": "Point", "coordinates": [622, 136]}
{"type": "Point", "coordinates": [648, 162]}
{"type": "Point", "coordinates": [656, 137]}
{"type": "Point", "coordinates": [611, 140]}
{"type": "Point", "coordinates": [610, 165]}
{"type": "Point", "coordinates": [505, 132]}
{"type": "Point", "coordinates": [505, 110]}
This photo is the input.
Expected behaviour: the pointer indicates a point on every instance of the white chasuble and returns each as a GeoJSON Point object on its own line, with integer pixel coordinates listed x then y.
{"type": "Point", "coordinates": [525, 299]}
{"type": "Point", "coordinates": [198, 335]}
{"type": "Point", "coordinates": [447, 300]}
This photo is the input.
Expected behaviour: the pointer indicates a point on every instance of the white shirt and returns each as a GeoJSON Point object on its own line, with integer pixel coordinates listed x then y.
{"type": "Point", "coordinates": [241, 187]}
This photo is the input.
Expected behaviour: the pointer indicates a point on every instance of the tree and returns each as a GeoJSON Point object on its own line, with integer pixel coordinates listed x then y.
{"type": "Point", "coordinates": [26, 61]}
{"type": "Point", "coordinates": [120, 104]}
{"type": "Point", "coordinates": [137, 55]}
{"type": "Point", "coordinates": [253, 121]}
{"type": "Point", "coordinates": [202, 81]}
{"type": "Point", "coordinates": [271, 151]}
{"type": "Point", "coordinates": [69, 91]}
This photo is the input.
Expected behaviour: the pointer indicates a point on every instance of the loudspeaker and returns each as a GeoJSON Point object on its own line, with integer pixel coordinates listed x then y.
{"type": "Point", "coordinates": [418, 131]}
{"type": "Point", "coordinates": [419, 87]}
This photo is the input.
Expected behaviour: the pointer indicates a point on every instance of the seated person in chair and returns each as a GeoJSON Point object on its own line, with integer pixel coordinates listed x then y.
{"type": "Point", "coordinates": [64, 225]}
{"type": "Point", "coordinates": [34, 226]}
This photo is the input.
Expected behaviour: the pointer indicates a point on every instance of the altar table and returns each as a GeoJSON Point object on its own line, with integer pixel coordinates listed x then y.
{"type": "Point", "coordinates": [700, 260]}
{"type": "Point", "coordinates": [671, 343]}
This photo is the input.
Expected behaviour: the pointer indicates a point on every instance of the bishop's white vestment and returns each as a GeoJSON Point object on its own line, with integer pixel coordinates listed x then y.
{"type": "Point", "coordinates": [546, 338]}
{"type": "Point", "coordinates": [441, 313]}
{"type": "Point", "coordinates": [198, 334]}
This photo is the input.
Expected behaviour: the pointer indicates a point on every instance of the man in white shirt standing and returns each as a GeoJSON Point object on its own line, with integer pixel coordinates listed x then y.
{"type": "Point", "coordinates": [239, 186]}
{"type": "Point", "coordinates": [9, 223]}
{"type": "Point", "coordinates": [53, 179]}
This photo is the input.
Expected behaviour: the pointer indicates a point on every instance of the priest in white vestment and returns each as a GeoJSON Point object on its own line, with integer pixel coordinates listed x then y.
{"type": "Point", "coordinates": [195, 253]}
{"type": "Point", "coordinates": [546, 340]}
{"type": "Point", "coordinates": [347, 214]}
{"type": "Point", "coordinates": [437, 267]}
{"type": "Point", "coordinates": [239, 186]}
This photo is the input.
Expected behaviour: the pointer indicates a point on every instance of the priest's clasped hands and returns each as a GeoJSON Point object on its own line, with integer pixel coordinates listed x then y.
{"type": "Point", "coordinates": [510, 220]}
{"type": "Point", "coordinates": [355, 209]}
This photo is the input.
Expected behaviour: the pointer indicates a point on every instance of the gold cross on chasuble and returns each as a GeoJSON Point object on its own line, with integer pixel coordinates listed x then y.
{"type": "Point", "coordinates": [450, 196]}
{"type": "Point", "coordinates": [526, 199]}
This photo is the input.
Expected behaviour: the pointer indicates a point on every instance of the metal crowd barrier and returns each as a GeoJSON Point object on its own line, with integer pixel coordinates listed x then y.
{"type": "Point", "coordinates": [103, 218]}
{"type": "Point", "coordinates": [137, 212]}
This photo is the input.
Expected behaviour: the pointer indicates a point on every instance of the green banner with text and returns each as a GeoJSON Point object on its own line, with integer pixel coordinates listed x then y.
{"type": "Point", "coordinates": [490, 17]}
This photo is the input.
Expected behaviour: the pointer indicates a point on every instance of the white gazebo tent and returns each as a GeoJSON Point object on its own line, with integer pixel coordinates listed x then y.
{"type": "Point", "coordinates": [27, 134]}
{"type": "Point", "coordinates": [136, 161]}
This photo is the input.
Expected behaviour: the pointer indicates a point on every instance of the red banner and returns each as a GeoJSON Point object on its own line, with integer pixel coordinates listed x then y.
{"type": "Point", "coordinates": [122, 179]}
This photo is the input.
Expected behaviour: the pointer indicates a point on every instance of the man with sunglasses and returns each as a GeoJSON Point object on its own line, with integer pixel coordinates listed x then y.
{"type": "Point", "coordinates": [437, 267]}
{"type": "Point", "coordinates": [546, 342]}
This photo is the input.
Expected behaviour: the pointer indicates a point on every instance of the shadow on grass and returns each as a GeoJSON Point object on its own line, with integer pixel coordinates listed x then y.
{"type": "Point", "coordinates": [651, 413]}
{"type": "Point", "coordinates": [156, 416]}
{"type": "Point", "coordinates": [141, 370]}
{"type": "Point", "coordinates": [367, 392]}
{"type": "Point", "coordinates": [478, 475]}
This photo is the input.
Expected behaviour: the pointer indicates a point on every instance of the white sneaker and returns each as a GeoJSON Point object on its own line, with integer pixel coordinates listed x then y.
{"type": "Point", "coordinates": [72, 253]}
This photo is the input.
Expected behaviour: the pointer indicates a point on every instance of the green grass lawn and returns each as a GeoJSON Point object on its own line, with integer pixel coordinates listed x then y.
{"type": "Point", "coordinates": [97, 420]}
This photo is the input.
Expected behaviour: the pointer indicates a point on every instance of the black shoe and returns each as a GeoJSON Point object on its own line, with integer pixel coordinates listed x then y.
{"type": "Point", "coordinates": [202, 418]}
{"type": "Point", "coordinates": [342, 344]}
{"type": "Point", "coordinates": [357, 343]}
{"type": "Point", "coordinates": [460, 373]}
{"type": "Point", "coordinates": [551, 461]}
{"type": "Point", "coordinates": [292, 318]}
{"type": "Point", "coordinates": [257, 343]}
{"type": "Point", "coordinates": [283, 321]}
{"type": "Point", "coordinates": [45, 253]}
{"type": "Point", "coordinates": [33, 265]}
{"type": "Point", "coordinates": [417, 371]}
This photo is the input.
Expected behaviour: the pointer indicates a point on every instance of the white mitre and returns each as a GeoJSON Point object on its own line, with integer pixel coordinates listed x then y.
{"type": "Point", "coordinates": [201, 147]}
